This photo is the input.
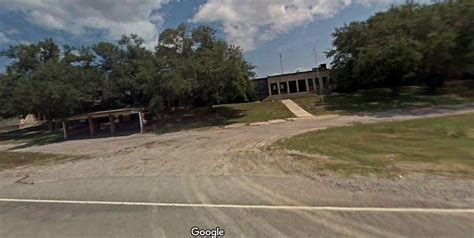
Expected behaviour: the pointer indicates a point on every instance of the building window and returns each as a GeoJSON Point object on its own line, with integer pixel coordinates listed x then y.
{"type": "Point", "coordinates": [293, 87]}
{"type": "Point", "coordinates": [302, 85]}
{"type": "Point", "coordinates": [274, 88]}
{"type": "Point", "coordinates": [283, 88]}
{"type": "Point", "coordinates": [311, 85]}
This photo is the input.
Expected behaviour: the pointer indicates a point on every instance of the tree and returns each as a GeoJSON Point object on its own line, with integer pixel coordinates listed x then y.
{"type": "Point", "coordinates": [187, 68]}
{"type": "Point", "coordinates": [390, 63]}
{"type": "Point", "coordinates": [174, 68]}
{"type": "Point", "coordinates": [196, 68]}
{"type": "Point", "coordinates": [222, 72]}
{"type": "Point", "coordinates": [7, 85]}
{"type": "Point", "coordinates": [44, 82]}
{"type": "Point", "coordinates": [408, 43]}
{"type": "Point", "coordinates": [347, 42]}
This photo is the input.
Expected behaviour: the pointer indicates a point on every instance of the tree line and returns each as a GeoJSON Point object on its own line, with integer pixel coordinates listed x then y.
{"type": "Point", "coordinates": [187, 68]}
{"type": "Point", "coordinates": [408, 44]}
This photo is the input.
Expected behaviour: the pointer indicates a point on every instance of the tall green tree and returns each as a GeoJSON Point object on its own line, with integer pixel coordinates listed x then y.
{"type": "Point", "coordinates": [188, 67]}
{"type": "Point", "coordinates": [223, 75]}
{"type": "Point", "coordinates": [408, 43]}
{"type": "Point", "coordinates": [45, 81]}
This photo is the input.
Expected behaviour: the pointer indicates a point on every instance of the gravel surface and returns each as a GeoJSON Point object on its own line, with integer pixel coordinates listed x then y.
{"type": "Point", "coordinates": [244, 152]}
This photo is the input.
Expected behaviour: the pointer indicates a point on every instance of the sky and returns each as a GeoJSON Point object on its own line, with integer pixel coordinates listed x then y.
{"type": "Point", "coordinates": [264, 29]}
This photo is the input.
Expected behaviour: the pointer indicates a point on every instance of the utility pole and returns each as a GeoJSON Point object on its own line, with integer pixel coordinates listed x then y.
{"type": "Point", "coordinates": [281, 64]}
{"type": "Point", "coordinates": [320, 81]}
{"type": "Point", "coordinates": [315, 58]}
{"type": "Point", "coordinates": [321, 90]}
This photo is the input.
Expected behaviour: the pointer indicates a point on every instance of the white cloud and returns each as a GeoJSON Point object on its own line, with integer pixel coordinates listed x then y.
{"type": "Point", "coordinates": [116, 17]}
{"type": "Point", "coordinates": [248, 22]}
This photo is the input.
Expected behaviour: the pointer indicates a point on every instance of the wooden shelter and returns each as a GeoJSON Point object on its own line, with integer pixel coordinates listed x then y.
{"type": "Point", "coordinates": [94, 118]}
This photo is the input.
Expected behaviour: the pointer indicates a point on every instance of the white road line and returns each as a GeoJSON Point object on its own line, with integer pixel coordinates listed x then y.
{"type": "Point", "coordinates": [269, 207]}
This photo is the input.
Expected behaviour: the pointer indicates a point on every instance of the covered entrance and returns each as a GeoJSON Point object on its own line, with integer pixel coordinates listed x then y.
{"type": "Point", "coordinates": [105, 123]}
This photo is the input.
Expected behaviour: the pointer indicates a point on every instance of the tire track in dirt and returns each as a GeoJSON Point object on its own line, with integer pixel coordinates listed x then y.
{"type": "Point", "coordinates": [332, 219]}
{"type": "Point", "coordinates": [215, 214]}
{"type": "Point", "coordinates": [195, 152]}
{"type": "Point", "coordinates": [269, 229]}
{"type": "Point", "coordinates": [270, 197]}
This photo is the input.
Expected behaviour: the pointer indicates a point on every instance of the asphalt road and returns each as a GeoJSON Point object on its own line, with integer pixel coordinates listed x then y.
{"type": "Point", "coordinates": [251, 207]}
{"type": "Point", "coordinates": [163, 185]}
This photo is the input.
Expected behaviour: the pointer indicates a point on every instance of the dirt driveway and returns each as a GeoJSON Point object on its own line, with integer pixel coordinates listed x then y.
{"type": "Point", "coordinates": [211, 151]}
{"type": "Point", "coordinates": [225, 166]}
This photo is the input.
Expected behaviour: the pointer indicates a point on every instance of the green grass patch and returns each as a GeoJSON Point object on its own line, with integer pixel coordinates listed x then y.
{"type": "Point", "coordinates": [253, 112]}
{"type": "Point", "coordinates": [9, 160]}
{"type": "Point", "coordinates": [440, 146]}
{"type": "Point", "coordinates": [221, 115]}
{"type": "Point", "coordinates": [37, 135]}
{"type": "Point", "coordinates": [378, 100]}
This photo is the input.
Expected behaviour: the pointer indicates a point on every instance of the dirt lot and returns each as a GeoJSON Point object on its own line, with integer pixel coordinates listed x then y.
{"type": "Point", "coordinates": [225, 166]}
{"type": "Point", "coordinates": [210, 151]}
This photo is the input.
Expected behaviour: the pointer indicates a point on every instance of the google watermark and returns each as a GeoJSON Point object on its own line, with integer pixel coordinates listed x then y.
{"type": "Point", "coordinates": [213, 233]}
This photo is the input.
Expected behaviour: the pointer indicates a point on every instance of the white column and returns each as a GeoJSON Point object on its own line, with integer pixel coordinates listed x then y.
{"type": "Point", "coordinates": [314, 84]}
{"type": "Point", "coordinates": [65, 129]}
{"type": "Point", "coordinates": [141, 118]}
{"type": "Point", "coordinates": [297, 86]}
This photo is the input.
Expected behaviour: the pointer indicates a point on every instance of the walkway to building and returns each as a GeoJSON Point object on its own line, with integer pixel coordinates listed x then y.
{"type": "Point", "coordinates": [296, 109]}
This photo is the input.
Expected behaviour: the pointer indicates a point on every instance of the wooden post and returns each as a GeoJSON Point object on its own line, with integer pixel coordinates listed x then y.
{"type": "Point", "coordinates": [65, 129]}
{"type": "Point", "coordinates": [92, 126]}
{"type": "Point", "coordinates": [112, 124]}
{"type": "Point", "coordinates": [141, 118]}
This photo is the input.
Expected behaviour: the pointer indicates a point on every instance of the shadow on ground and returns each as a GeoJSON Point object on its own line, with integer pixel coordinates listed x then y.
{"type": "Point", "coordinates": [382, 103]}
{"type": "Point", "coordinates": [31, 136]}
{"type": "Point", "coordinates": [187, 119]}
{"type": "Point", "coordinates": [178, 120]}
{"type": "Point", "coordinates": [40, 135]}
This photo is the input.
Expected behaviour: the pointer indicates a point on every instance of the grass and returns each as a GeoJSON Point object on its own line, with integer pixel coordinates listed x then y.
{"type": "Point", "coordinates": [36, 135]}
{"type": "Point", "coordinates": [439, 146]}
{"type": "Point", "coordinates": [23, 138]}
{"type": "Point", "coordinates": [377, 100]}
{"type": "Point", "coordinates": [253, 112]}
{"type": "Point", "coordinates": [181, 119]}
{"type": "Point", "coordinates": [9, 160]}
{"type": "Point", "coordinates": [222, 115]}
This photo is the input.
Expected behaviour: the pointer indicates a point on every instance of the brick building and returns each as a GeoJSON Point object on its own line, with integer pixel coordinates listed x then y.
{"type": "Point", "coordinates": [315, 81]}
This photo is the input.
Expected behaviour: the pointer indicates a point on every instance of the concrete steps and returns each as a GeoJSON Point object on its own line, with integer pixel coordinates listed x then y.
{"type": "Point", "coordinates": [296, 109]}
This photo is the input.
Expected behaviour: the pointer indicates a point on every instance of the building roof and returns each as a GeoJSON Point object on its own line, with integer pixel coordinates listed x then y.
{"type": "Point", "coordinates": [294, 73]}
{"type": "Point", "coordinates": [117, 112]}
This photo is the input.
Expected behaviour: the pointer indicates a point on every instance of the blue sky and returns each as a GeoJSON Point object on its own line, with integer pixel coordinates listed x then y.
{"type": "Point", "coordinates": [263, 28]}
